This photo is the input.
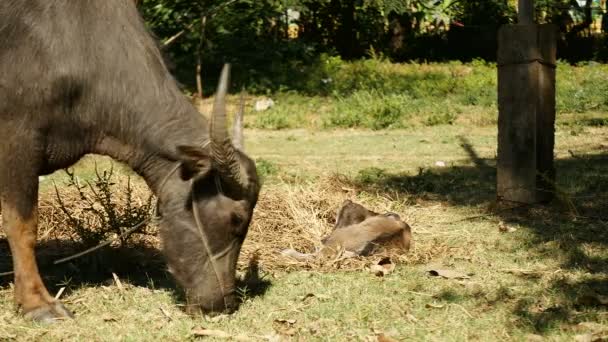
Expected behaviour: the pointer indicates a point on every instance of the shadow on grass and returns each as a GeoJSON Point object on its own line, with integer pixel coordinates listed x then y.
{"type": "Point", "coordinates": [597, 122]}
{"type": "Point", "coordinates": [135, 263]}
{"type": "Point", "coordinates": [252, 284]}
{"type": "Point", "coordinates": [576, 222]}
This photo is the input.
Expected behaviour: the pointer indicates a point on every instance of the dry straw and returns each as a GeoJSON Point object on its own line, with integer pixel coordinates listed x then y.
{"type": "Point", "coordinates": [294, 216]}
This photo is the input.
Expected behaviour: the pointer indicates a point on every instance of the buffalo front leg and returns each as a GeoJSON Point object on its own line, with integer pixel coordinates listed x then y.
{"type": "Point", "coordinates": [20, 222]}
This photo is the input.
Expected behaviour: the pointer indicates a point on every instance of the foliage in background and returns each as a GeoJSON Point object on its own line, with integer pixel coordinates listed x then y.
{"type": "Point", "coordinates": [255, 35]}
{"type": "Point", "coordinates": [249, 34]}
{"type": "Point", "coordinates": [340, 70]}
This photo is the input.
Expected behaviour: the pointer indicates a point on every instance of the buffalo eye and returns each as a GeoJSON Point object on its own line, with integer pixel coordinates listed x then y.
{"type": "Point", "coordinates": [236, 220]}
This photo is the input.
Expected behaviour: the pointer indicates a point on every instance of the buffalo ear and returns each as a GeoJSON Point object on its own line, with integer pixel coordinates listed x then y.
{"type": "Point", "coordinates": [195, 162]}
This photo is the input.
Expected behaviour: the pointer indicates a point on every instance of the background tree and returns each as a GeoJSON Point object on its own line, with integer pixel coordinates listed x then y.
{"type": "Point", "coordinates": [254, 34]}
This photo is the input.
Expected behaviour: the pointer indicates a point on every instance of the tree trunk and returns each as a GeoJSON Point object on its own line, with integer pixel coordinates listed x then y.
{"type": "Point", "coordinates": [347, 36]}
{"type": "Point", "coordinates": [286, 22]}
{"type": "Point", "coordinates": [586, 22]}
{"type": "Point", "coordinates": [199, 59]}
{"type": "Point", "coordinates": [526, 12]}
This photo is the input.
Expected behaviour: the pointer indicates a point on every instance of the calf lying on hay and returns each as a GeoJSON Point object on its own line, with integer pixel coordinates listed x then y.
{"type": "Point", "coordinates": [360, 231]}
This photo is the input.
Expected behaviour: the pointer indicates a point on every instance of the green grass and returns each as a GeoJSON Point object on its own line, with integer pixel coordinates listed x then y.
{"type": "Point", "coordinates": [377, 94]}
{"type": "Point", "coordinates": [540, 279]}
{"type": "Point", "coordinates": [545, 278]}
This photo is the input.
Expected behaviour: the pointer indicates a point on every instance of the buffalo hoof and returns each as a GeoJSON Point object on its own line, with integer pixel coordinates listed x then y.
{"type": "Point", "coordinates": [50, 313]}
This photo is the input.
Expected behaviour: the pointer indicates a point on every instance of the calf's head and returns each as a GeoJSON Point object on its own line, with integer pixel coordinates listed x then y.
{"type": "Point", "coordinates": [352, 213]}
{"type": "Point", "coordinates": [208, 214]}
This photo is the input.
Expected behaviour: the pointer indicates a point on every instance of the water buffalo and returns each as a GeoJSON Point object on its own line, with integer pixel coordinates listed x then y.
{"type": "Point", "coordinates": [82, 77]}
{"type": "Point", "coordinates": [360, 231]}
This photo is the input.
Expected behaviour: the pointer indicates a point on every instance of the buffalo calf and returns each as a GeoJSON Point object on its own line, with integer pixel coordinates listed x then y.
{"type": "Point", "coordinates": [360, 231]}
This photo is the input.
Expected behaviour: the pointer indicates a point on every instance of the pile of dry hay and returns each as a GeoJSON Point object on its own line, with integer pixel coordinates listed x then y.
{"type": "Point", "coordinates": [298, 217]}
{"type": "Point", "coordinates": [286, 216]}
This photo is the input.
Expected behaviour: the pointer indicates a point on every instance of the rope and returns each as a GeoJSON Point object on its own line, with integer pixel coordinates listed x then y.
{"type": "Point", "coordinates": [210, 255]}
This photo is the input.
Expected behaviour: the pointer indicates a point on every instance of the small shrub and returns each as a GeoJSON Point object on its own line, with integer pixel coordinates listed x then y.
{"type": "Point", "coordinates": [370, 109]}
{"type": "Point", "coordinates": [597, 122]}
{"type": "Point", "coordinates": [436, 119]}
{"type": "Point", "coordinates": [272, 119]}
{"type": "Point", "coordinates": [97, 209]}
{"type": "Point", "coordinates": [346, 115]}
{"type": "Point", "coordinates": [289, 111]}
{"type": "Point", "coordinates": [387, 115]}
{"type": "Point", "coordinates": [370, 175]}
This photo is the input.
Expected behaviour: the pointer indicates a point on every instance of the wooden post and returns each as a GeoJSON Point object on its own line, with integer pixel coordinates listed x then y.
{"type": "Point", "coordinates": [526, 12]}
{"type": "Point", "coordinates": [526, 106]}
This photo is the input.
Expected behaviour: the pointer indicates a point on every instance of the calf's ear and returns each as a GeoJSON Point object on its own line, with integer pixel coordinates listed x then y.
{"type": "Point", "coordinates": [195, 162]}
{"type": "Point", "coordinates": [392, 215]}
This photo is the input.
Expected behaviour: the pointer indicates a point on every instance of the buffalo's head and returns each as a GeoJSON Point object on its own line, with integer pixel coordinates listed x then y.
{"type": "Point", "coordinates": [207, 214]}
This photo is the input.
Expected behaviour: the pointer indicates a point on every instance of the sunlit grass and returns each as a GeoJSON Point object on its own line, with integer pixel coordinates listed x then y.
{"type": "Point", "coordinates": [543, 278]}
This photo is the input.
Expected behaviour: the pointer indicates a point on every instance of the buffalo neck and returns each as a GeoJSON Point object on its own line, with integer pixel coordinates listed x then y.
{"type": "Point", "coordinates": [147, 140]}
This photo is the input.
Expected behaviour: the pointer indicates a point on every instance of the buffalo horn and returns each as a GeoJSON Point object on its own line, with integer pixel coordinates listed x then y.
{"type": "Point", "coordinates": [222, 150]}
{"type": "Point", "coordinates": [237, 126]}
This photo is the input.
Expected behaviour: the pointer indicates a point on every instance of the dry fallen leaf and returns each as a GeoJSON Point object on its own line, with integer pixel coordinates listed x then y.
{"type": "Point", "coordinates": [307, 296]}
{"type": "Point", "coordinates": [108, 318]}
{"type": "Point", "coordinates": [312, 295]}
{"type": "Point", "coordinates": [382, 267]}
{"type": "Point", "coordinates": [525, 273]}
{"type": "Point", "coordinates": [285, 321]}
{"type": "Point", "coordinates": [434, 306]}
{"type": "Point", "coordinates": [534, 338]}
{"type": "Point", "coordinates": [383, 338]}
{"type": "Point", "coordinates": [202, 332]}
{"type": "Point", "coordinates": [448, 274]}
{"type": "Point", "coordinates": [285, 326]}
{"type": "Point", "coordinates": [504, 228]}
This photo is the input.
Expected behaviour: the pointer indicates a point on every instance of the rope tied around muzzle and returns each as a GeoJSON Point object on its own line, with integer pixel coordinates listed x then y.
{"type": "Point", "coordinates": [201, 232]}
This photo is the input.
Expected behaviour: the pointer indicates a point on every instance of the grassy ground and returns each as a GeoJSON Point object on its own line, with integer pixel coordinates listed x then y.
{"type": "Point", "coordinates": [377, 94]}
{"type": "Point", "coordinates": [546, 278]}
